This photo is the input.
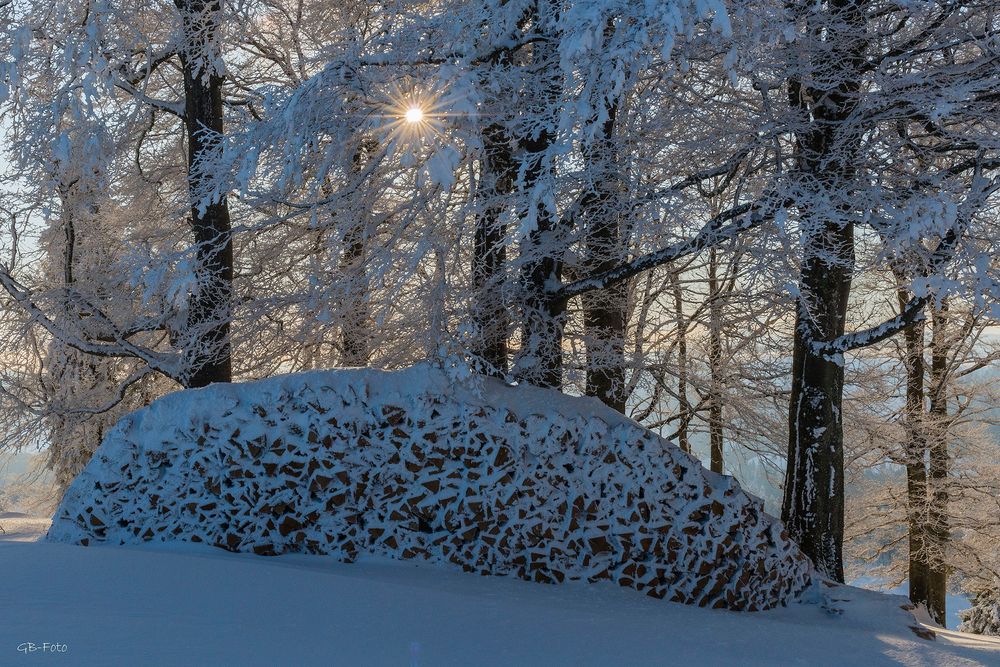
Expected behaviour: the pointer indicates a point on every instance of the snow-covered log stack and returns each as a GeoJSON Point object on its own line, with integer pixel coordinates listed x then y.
{"type": "Point", "coordinates": [494, 479]}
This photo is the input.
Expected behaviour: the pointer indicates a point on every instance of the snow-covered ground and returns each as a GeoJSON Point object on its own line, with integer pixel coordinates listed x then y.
{"type": "Point", "coordinates": [191, 605]}
{"type": "Point", "coordinates": [955, 602]}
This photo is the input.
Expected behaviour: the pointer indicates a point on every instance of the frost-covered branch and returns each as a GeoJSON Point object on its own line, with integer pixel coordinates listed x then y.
{"type": "Point", "coordinates": [748, 216]}
{"type": "Point", "coordinates": [914, 310]}
{"type": "Point", "coordinates": [165, 363]}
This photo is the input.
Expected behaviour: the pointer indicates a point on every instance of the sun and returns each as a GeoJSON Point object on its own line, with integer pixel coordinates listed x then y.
{"type": "Point", "coordinates": [414, 115]}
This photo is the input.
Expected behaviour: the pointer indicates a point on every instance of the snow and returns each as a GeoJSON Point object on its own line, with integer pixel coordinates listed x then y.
{"type": "Point", "coordinates": [954, 603]}
{"type": "Point", "coordinates": [20, 527]}
{"type": "Point", "coordinates": [189, 604]}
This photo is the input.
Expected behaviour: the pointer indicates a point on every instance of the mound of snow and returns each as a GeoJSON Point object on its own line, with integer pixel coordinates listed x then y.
{"type": "Point", "coordinates": [494, 479]}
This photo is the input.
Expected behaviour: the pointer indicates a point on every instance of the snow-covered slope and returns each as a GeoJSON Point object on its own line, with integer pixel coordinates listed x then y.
{"type": "Point", "coordinates": [180, 604]}
{"type": "Point", "coordinates": [494, 479]}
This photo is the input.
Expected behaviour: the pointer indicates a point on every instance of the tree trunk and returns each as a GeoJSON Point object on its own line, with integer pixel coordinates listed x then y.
{"type": "Point", "coordinates": [915, 448]}
{"type": "Point", "coordinates": [813, 503]}
{"type": "Point", "coordinates": [70, 378]}
{"type": "Point", "coordinates": [541, 358]}
{"type": "Point", "coordinates": [684, 407]}
{"type": "Point", "coordinates": [604, 311]}
{"type": "Point", "coordinates": [355, 331]}
{"type": "Point", "coordinates": [604, 314]}
{"type": "Point", "coordinates": [210, 306]}
{"type": "Point", "coordinates": [937, 515]}
{"type": "Point", "coordinates": [498, 171]}
{"type": "Point", "coordinates": [355, 328]}
{"type": "Point", "coordinates": [715, 438]}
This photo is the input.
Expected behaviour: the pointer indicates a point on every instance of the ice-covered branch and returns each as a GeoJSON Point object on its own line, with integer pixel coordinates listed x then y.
{"type": "Point", "coordinates": [169, 365]}
{"type": "Point", "coordinates": [913, 311]}
{"type": "Point", "coordinates": [747, 216]}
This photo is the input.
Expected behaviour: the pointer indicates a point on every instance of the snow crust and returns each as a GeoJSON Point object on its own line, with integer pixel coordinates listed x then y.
{"type": "Point", "coordinates": [174, 604]}
{"type": "Point", "coordinates": [410, 465]}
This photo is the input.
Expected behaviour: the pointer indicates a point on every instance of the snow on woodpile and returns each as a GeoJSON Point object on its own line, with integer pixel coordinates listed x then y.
{"type": "Point", "coordinates": [493, 479]}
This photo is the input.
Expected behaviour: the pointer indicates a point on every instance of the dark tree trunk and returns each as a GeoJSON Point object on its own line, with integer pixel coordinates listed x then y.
{"type": "Point", "coordinates": [355, 332]}
{"type": "Point", "coordinates": [604, 314]}
{"type": "Point", "coordinates": [604, 311]}
{"type": "Point", "coordinates": [715, 439]}
{"type": "Point", "coordinates": [210, 307]}
{"type": "Point", "coordinates": [498, 171]}
{"type": "Point", "coordinates": [915, 448]}
{"type": "Point", "coordinates": [544, 318]}
{"type": "Point", "coordinates": [541, 359]}
{"type": "Point", "coordinates": [684, 407]}
{"type": "Point", "coordinates": [813, 503]}
{"type": "Point", "coordinates": [355, 328]}
{"type": "Point", "coordinates": [937, 515]}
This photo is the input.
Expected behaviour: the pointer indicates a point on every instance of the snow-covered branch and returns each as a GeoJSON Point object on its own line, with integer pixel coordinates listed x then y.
{"type": "Point", "coordinates": [748, 216]}
{"type": "Point", "coordinates": [169, 364]}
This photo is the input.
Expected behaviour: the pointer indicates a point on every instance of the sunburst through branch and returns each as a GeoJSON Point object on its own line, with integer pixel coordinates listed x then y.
{"type": "Point", "coordinates": [416, 115]}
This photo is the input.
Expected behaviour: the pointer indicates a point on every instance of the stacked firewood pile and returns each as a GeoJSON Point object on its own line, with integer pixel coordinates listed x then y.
{"type": "Point", "coordinates": [338, 464]}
